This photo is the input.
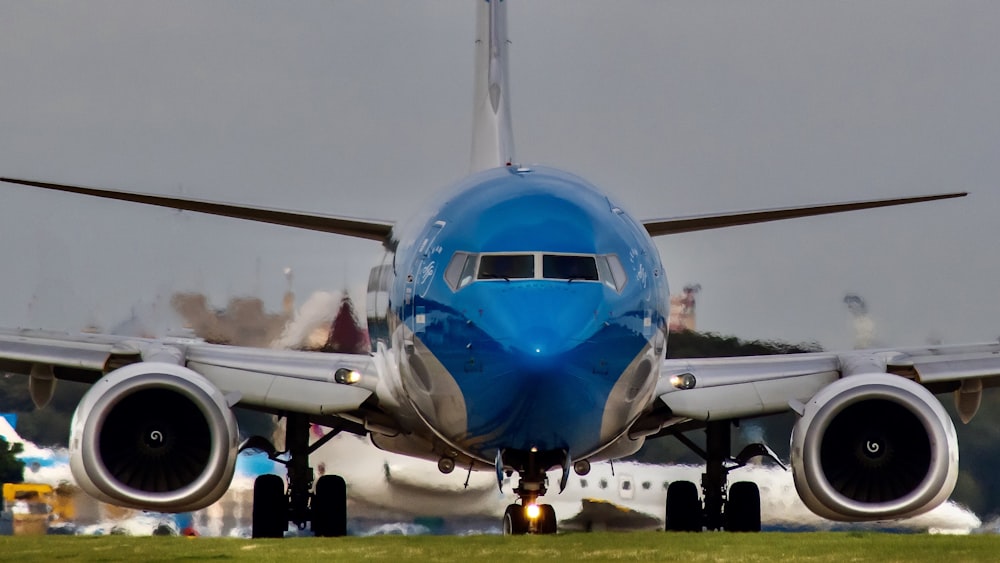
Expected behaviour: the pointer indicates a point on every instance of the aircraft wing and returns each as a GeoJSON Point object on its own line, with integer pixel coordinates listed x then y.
{"type": "Point", "coordinates": [690, 223]}
{"type": "Point", "coordinates": [262, 379]}
{"type": "Point", "coordinates": [361, 228]}
{"type": "Point", "coordinates": [743, 387]}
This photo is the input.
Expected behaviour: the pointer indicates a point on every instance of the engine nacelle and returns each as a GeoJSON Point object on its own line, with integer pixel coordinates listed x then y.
{"type": "Point", "coordinates": [154, 436]}
{"type": "Point", "coordinates": [874, 447]}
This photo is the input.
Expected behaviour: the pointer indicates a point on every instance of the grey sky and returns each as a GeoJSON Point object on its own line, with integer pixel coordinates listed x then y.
{"type": "Point", "coordinates": [364, 108]}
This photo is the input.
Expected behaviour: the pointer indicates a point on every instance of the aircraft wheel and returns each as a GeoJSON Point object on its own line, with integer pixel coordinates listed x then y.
{"type": "Point", "coordinates": [547, 520]}
{"type": "Point", "coordinates": [743, 508]}
{"type": "Point", "coordinates": [683, 507]}
{"type": "Point", "coordinates": [329, 507]}
{"type": "Point", "coordinates": [514, 521]}
{"type": "Point", "coordinates": [270, 507]}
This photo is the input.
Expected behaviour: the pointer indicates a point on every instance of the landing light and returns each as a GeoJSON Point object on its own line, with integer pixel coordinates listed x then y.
{"type": "Point", "coordinates": [346, 376]}
{"type": "Point", "coordinates": [683, 381]}
{"type": "Point", "coordinates": [532, 511]}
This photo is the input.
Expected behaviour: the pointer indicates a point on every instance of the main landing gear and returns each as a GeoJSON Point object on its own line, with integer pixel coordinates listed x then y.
{"type": "Point", "coordinates": [737, 511]}
{"type": "Point", "coordinates": [274, 507]}
{"type": "Point", "coordinates": [529, 517]}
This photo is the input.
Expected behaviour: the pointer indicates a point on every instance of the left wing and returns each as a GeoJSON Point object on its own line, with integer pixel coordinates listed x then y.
{"type": "Point", "coordinates": [743, 387]}
{"type": "Point", "coordinates": [691, 223]}
{"type": "Point", "coordinates": [871, 441]}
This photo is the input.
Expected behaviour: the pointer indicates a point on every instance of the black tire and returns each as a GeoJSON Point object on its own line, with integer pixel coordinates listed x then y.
{"type": "Point", "coordinates": [683, 508]}
{"type": "Point", "coordinates": [742, 513]}
{"type": "Point", "coordinates": [547, 523]}
{"type": "Point", "coordinates": [515, 523]}
{"type": "Point", "coordinates": [270, 507]}
{"type": "Point", "coordinates": [329, 507]}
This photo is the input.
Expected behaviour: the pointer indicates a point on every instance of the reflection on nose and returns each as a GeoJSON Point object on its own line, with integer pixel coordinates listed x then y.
{"type": "Point", "coordinates": [541, 323]}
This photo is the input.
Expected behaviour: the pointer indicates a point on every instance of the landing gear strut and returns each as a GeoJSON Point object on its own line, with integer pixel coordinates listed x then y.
{"type": "Point", "coordinates": [739, 511]}
{"type": "Point", "coordinates": [713, 481]}
{"type": "Point", "coordinates": [274, 508]}
{"type": "Point", "coordinates": [529, 517]}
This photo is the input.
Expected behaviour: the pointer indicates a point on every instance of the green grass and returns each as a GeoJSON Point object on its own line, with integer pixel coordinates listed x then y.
{"type": "Point", "coordinates": [644, 546]}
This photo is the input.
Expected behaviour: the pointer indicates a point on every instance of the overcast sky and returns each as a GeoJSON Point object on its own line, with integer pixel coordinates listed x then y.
{"type": "Point", "coordinates": [364, 108]}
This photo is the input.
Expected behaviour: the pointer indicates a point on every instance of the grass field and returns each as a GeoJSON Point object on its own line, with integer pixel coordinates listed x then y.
{"type": "Point", "coordinates": [644, 546]}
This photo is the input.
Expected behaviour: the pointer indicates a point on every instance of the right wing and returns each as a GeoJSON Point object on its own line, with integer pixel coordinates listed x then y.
{"type": "Point", "coordinates": [361, 228]}
{"type": "Point", "coordinates": [262, 379]}
{"type": "Point", "coordinates": [156, 430]}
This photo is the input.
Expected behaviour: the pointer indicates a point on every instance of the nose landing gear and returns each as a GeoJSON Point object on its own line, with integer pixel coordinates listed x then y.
{"type": "Point", "coordinates": [530, 517]}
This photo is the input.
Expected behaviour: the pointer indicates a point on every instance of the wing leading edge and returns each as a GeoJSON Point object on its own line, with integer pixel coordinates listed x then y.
{"type": "Point", "coordinates": [870, 440]}
{"type": "Point", "coordinates": [746, 387]}
{"type": "Point", "coordinates": [361, 228]}
{"type": "Point", "coordinates": [691, 223]}
{"type": "Point", "coordinates": [263, 379]}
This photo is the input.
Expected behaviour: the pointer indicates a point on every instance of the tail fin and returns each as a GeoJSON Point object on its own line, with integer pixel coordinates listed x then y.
{"type": "Point", "coordinates": [7, 432]}
{"type": "Point", "coordinates": [492, 135]}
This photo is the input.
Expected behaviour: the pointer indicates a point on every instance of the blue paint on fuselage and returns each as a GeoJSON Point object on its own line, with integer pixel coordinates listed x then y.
{"type": "Point", "coordinates": [535, 359]}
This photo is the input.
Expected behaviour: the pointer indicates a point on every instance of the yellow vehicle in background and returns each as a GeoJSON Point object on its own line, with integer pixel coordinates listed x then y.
{"type": "Point", "coordinates": [32, 507]}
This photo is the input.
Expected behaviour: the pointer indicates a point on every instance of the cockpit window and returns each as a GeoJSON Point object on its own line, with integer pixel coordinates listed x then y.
{"type": "Point", "coordinates": [569, 267]}
{"type": "Point", "coordinates": [469, 271]}
{"type": "Point", "coordinates": [466, 267]}
{"type": "Point", "coordinates": [618, 274]}
{"type": "Point", "coordinates": [453, 274]}
{"type": "Point", "coordinates": [605, 272]}
{"type": "Point", "coordinates": [506, 266]}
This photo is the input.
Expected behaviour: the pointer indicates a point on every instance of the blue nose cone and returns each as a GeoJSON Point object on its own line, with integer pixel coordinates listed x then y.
{"type": "Point", "coordinates": [544, 382]}
{"type": "Point", "coordinates": [543, 318]}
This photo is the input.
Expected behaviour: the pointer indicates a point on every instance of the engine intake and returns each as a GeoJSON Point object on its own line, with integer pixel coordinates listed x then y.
{"type": "Point", "coordinates": [154, 436]}
{"type": "Point", "coordinates": [872, 447]}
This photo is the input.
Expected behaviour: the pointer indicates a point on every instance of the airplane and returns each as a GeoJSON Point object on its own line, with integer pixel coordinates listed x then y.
{"type": "Point", "coordinates": [41, 465]}
{"type": "Point", "coordinates": [518, 324]}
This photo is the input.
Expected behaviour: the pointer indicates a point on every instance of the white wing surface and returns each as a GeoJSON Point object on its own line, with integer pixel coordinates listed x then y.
{"type": "Point", "coordinates": [742, 387]}
{"type": "Point", "coordinates": [272, 380]}
{"type": "Point", "coordinates": [871, 441]}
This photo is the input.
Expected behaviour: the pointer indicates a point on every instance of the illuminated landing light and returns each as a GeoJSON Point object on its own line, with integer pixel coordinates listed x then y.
{"type": "Point", "coordinates": [683, 381]}
{"type": "Point", "coordinates": [346, 376]}
{"type": "Point", "coordinates": [538, 350]}
{"type": "Point", "coordinates": [532, 511]}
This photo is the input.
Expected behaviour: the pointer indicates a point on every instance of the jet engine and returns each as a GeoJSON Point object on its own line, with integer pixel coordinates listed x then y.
{"type": "Point", "coordinates": [154, 436]}
{"type": "Point", "coordinates": [874, 447]}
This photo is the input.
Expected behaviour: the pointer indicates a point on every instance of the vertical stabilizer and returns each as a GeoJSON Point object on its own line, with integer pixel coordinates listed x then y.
{"type": "Point", "coordinates": [492, 135]}
{"type": "Point", "coordinates": [7, 431]}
